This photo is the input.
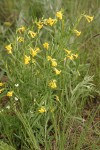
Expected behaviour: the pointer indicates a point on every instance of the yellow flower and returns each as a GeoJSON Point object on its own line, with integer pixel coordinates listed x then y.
{"type": "Point", "coordinates": [10, 93]}
{"type": "Point", "coordinates": [26, 59]}
{"type": "Point", "coordinates": [1, 84]}
{"type": "Point", "coordinates": [9, 49]}
{"type": "Point", "coordinates": [59, 15]}
{"type": "Point", "coordinates": [75, 55]}
{"type": "Point", "coordinates": [49, 58]}
{"type": "Point", "coordinates": [57, 98]}
{"type": "Point", "coordinates": [53, 62]}
{"type": "Point", "coordinates": [78, 33]}
{"type": "Point", "coordinates": [68, 51]}
{"type": "Point", "coordinates": [89, 18]}
{"type": "Point", "coordinates": [51, 21]}
{"type": "Point", "coordinates": [71, 57]}
{"type": "Point", "coordinates": [57, 71]}
{"type": "Point", "coordinates": [42, 110]}
{"type": "Point", "coordinates": [32, 34]}
{"type": "Point", "coordinates": [37, 49]}
{"type": "Point", "coordinates": [34, 52]}
{"type": "Point", "coordinates": [1, 90]}
{"type": "Point", "coordinates": [40, 24]}
{"type": "Point", "coordinates": [46, 45]}
{"type": "Point", "coordinates": [21, 30]}
{"type": "Point", "coordinates": [53, 84]}
{"type": "Point", "coordinates": [20, 39]}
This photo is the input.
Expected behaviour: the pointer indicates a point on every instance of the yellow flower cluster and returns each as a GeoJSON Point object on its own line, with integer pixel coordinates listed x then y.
{"type": "Point", "coordinates": [89, 18]}
{"type": "Point", "coordinates": [42, 109]}
{"type": "Point", "coordinates": [53, 61]}
{"type": "Point", "coordinates": [59, 15]}
{"type": "Point", "coordinates": [51, 21]}
{"type": "Point", "coordinates": [39, 25]}
{"type": "Point", "coordinates": [9, 49]}
{"type": "Point", "coordinates": [68, 51]}
{"type": "Point", "coordinates": [10, 94]}
{"type": "Point", "coordinates": [27, 59]}
{"type": "Point", "coordinates": [49, 58]}
{"type": "Point", "coordinates": [57, 72]}
{"type": "Point", "coordinates": [21, 30]}
{"type": "Point", "coordinates": [32, 34]}
{"type": "Point", "coordinates": [78, 33]}
{"type": "Point", "coordinates": [20, 39]}
{"type": "Point", "coordinates": [52, 84]}
{"type": "Point", "coordinates": [70, 55]}
{"type": "Point", "coordinates": [54, 64]}
{"type": "Point", "coordinates": [46, 45]}
{"type": "Point", "coordinates": [34, 52]}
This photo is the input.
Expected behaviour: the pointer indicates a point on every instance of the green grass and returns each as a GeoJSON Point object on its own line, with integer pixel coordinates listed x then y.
{"type": "Point", "coordinates": [72, 122]}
